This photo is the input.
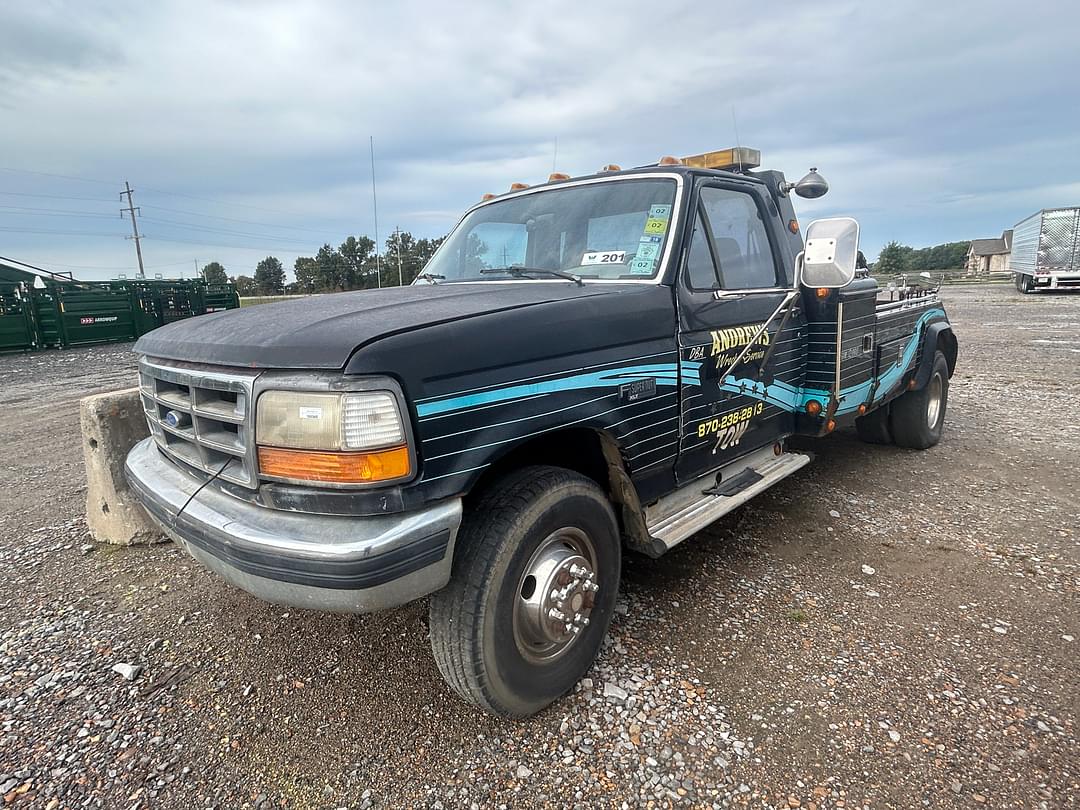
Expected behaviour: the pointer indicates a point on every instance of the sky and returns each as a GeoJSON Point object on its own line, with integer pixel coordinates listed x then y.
{"type": "Point", "coordinates": [244, 127]}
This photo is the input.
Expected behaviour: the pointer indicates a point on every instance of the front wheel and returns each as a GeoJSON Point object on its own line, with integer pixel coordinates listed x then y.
{"type": "Point", "coordinates": [532, 593]}
{"type": "Point", "coordinates": [918, 417]}
{"type": "Point", "coordinates": [1024, 283]}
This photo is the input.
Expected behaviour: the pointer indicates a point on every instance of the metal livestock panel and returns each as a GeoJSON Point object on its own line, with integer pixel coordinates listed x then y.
{"type": "Point", "coordinates": [95, 313]}
{"type": "Point", "coordinates": [218, 297]}
{"type": "Point", "coordinates": [16, 323]}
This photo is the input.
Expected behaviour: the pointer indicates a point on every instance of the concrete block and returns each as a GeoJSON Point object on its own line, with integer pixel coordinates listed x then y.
{"type": "Point", "coordinates": [112, 424]}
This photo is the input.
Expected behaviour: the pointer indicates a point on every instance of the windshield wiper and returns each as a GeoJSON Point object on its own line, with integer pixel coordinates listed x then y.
{"type": "Point", "coordinates": [520, 272]}
{"type": "Point", "coordinates": [434, 278]}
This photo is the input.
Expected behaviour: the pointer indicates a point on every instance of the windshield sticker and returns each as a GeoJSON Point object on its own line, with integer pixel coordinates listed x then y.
{"type": "Point", "coordinates": [647, 250]}
{"type": "Point", "coordinates": [605, 257]}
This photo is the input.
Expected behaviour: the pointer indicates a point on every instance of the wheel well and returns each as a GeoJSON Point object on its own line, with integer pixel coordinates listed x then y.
{"type": "Point", "coordinates": [579, 450]}
{"type": "Point", "coordinates": [592, 453]}
{"type": "Point", "coordinates": [946, 343]}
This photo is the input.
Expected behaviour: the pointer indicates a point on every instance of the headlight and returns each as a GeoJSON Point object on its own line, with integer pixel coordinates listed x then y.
{"type": "Point", "coordinates": [351, 438]}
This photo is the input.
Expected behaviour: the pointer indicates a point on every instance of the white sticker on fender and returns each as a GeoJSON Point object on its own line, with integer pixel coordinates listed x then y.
{"type": "Point", "coordinates": [604, 257]}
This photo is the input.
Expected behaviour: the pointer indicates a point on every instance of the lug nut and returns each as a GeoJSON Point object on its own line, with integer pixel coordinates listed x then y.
{"type": "Point", "coordinates": [556, 614]}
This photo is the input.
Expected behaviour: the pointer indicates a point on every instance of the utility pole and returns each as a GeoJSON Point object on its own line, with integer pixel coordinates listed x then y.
{"type": "Point", "coordinates": [131, 209]}
{"type": "Point", "coordinates": [375, 207]}
{"type": "Point", "coordinates": [397, 244]}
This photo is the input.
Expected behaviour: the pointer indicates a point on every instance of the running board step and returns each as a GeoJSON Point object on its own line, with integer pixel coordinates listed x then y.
{"type": "Point", "coordinates": [691, 508]}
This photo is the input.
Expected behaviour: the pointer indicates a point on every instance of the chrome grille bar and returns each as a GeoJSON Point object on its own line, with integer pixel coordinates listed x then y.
{"type": "Point", "coordinates": [202, 417]}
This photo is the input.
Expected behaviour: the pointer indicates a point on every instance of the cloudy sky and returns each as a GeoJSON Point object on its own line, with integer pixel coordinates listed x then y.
{"type": "Point", "coordinates": [243, 127]}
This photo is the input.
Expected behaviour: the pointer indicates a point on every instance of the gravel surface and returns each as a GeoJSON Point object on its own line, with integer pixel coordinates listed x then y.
{"type": "Point", "coordinates": [887, 628]}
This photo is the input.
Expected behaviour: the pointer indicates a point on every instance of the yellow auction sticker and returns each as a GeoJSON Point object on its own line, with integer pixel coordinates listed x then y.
{"type": "Point", "coordinates": [653, 225]}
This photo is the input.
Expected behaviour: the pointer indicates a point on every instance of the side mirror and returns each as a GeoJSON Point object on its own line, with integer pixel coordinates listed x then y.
{"type": "Point", "coordinates": [831, 252]}
{"type": "Point", "coordinates": [812, 186]}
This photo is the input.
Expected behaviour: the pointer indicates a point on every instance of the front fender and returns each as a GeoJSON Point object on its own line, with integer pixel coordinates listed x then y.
{"type": "Point", "coordinates": [938, 335]}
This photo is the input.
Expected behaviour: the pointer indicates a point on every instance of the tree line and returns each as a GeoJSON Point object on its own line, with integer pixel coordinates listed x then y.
{"type": "Point", "coordinates": [350, 266]}
{"type": "Point", "coordinates": [895, 258]}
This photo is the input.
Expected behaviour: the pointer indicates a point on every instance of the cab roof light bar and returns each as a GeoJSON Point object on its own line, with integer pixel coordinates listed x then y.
{"type": "Point", "coordinates": [738, 158]}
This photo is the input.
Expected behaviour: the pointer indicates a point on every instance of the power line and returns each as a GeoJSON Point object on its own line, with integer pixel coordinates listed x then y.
{"type": "Point", "coordinates": [55, 196]}
{"type": "Point", "coordinates": [228, 232]}
{"type": "Point", "coordinates": [38, 212]}
{"type": "Point", "coordinates": [62, 176]}
{"type": "Point", "coordinates": [262, 248]}
{"type": "Point", "coordinates": [232, 219]}
{"type": "Point", "coordinates": [60, 233]}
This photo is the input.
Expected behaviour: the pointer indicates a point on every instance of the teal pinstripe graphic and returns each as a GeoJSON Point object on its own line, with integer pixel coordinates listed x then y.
{"type": "Point", "coordinates": [777, 393]}
{"type": "Point", "coordinates": [791, 398]}
{"type": "Point", "coordinates": [663, 373]}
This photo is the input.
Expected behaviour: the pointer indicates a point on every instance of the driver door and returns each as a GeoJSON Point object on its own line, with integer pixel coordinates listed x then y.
{"type": "Point", "coordinates": [738, 381]}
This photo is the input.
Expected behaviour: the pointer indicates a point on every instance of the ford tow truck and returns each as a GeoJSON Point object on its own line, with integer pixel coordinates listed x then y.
{"type": "Point", "coordinates": [586, 367]}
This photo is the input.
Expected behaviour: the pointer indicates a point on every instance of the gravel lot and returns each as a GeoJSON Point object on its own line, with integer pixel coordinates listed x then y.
{"type": "Point", "coordinates": [887, 628]}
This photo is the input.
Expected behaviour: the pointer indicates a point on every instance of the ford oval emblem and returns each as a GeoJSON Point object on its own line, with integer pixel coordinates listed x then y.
{"type": "Point", "coordinates": [172, 419]}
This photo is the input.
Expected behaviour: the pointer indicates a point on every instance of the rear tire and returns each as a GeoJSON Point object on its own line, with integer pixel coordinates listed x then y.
{"type": "Point", "coordinates": [1024, 283]}
{"type": "Point", "coordinates": [918, 417]}
{"type": "Point", "coordinates": [538, 532]}
{"type": "Point", "coordinates": [874, 427]}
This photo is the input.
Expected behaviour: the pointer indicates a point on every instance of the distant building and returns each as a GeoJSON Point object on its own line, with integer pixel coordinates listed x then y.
{"type": "Point", "coordinates": [989, 255]}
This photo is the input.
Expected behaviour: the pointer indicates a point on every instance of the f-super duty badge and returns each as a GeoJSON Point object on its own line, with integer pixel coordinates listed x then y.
{"type": "Point", "coordinates": [637, 390]}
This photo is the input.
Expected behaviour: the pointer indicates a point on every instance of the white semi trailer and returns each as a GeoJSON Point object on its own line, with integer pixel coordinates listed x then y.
{"type": "Point", "coordinates": [1046, 250]}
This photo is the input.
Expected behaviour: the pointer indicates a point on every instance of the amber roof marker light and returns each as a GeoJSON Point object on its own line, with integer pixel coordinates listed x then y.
{"type": "Point", "coordinates": [558, 177]}
{"type": "Point", "coordinates": [518, 186]}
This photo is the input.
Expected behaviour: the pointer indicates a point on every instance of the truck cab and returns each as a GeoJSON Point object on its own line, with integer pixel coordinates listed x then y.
{"type": "Point", "coordinates": [587, 367]}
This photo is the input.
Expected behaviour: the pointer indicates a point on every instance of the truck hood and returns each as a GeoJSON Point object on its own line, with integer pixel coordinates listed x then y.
{"type": "Point", "coordinates": [323, 331]}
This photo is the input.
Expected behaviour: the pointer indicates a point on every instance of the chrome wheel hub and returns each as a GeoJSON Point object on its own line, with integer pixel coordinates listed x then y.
{"type": "Point", "coordinates": [556, 595]}
{"type": "Point", "coordinates": [933, 404]}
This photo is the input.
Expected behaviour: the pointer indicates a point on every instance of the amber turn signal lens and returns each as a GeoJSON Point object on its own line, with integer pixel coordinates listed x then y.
{"type": "Point", "coordinates": [822, 292]}
{"type": "Point", "coordinates": [830, 426]}
{"type": "Point", "coordinates": [861, 409]}
{"type": "Point", "coordinates": [335, 467]}
{"type": "Point", "coordinates": [793, 225]}
{"type": "Point", "coordinates": [813, 407]}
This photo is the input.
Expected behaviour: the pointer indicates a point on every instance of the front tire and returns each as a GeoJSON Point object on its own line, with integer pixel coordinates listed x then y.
{"type": "Point", "coordinates": [532, 593]}
{"type": "Point", "coordinates": [1024, 283]}
{"type": "Point", "coordinates": [918, 417]}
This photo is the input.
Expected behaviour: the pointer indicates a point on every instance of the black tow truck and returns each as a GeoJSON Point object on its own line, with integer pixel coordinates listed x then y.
{"type": "Point", "coordinates": [586, 366]}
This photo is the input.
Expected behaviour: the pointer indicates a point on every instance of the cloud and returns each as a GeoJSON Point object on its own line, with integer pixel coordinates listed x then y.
{"type": "Point", "coordinates": [931, 122]}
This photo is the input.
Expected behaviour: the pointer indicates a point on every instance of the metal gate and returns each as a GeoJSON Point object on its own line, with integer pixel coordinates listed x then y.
{"type": "Point", "coordinates": [16, 321]}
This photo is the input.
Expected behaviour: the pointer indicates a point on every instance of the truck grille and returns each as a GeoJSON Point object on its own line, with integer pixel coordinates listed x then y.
{"type": "Point", "coordinates": [202, 418]}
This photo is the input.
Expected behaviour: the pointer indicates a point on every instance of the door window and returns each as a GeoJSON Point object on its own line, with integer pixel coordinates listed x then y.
{"type": "Point", "coordinates": [700, 269]}
{"type": "Point", "coordinates": [743, 253]}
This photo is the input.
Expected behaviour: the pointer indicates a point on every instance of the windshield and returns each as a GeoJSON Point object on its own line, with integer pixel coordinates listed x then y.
{"type": "Point", "coordinates": [608, 230]}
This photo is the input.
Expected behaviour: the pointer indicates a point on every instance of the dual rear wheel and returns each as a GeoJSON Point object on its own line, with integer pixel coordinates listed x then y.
{"type": "Point", "coordinates": [915, 419]}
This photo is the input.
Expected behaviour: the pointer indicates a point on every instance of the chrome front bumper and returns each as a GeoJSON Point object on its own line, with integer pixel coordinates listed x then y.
{"type": "Point", "coordinates": [323, 562]}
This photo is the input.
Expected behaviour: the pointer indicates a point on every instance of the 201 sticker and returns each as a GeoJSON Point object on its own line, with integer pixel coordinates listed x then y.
{"type": "Point", "coordinates": [604, 257]}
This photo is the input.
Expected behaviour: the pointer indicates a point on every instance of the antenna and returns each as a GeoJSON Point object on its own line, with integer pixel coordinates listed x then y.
{"type": "Point", "coordinates": [555, 155]}
{"type": "Point", "coordinates": [375, 207]}
{"type": "Point", "coordinates": [738, 145]}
